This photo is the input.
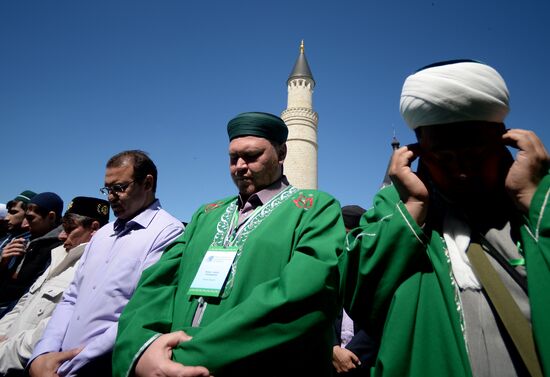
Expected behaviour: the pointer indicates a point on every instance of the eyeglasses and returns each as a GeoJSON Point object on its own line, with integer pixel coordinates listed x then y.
{"type": "Point", "coordinates": [115, 189]}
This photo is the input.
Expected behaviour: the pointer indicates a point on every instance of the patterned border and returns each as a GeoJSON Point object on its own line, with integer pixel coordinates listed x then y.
{"type": "Point", "coordinates": [224, 225]}
{"type": "Point", "coordinates": [458, 302]}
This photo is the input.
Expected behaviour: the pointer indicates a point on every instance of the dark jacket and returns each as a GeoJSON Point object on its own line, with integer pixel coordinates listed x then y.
{"type": "Point", "coordinates": [362, 345]}
{"type": "Point", "coordinates": [32, 264]}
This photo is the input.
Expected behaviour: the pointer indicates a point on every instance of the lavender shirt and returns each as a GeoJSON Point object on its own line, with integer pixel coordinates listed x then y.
{"type": "Point", "coordinates": [106, 278]}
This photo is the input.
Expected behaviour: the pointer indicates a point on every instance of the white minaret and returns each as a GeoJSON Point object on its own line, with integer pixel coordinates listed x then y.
{"type": "Point", "coordinates": [301, 161]}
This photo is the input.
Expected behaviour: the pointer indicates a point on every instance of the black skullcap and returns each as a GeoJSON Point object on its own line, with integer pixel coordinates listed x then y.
{"type": "Point", "coordinates": [48, 201]}
{"type": "Point", "coordinates": [265, 125]}
{"type": "Point", "coordinates": [97, 209]}
{"type": "Point", "coordinates": [352, 214]}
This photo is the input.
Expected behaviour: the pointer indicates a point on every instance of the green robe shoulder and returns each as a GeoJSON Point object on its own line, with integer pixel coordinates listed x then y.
{"type": "Point", "coordinates": [280, 303]}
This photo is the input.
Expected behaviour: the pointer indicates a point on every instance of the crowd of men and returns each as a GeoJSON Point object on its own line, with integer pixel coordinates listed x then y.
{"type": "Point", "coordinates": [447, 274]}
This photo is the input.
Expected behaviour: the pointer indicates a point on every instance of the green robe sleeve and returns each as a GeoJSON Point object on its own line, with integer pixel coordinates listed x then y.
{"type": "Point", "coordinates": [301, 303]}
{"type": "Point", "coordinates": [536, 244]}
{"type": "Point", "coordinates": [379, 256]}
{"type": "Point", "coordinates": [149, 312]}
{"type": "Point", "coordinates": [399, 288]}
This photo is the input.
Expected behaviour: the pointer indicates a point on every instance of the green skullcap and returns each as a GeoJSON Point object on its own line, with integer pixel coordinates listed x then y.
{"type": "Point", "coordinates": [25, 196]}
{"type": "Point", "coordinates": [265, 125]}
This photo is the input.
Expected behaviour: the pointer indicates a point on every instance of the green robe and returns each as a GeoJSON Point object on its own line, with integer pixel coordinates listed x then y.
{"type": "Point", "coordinates": [276, 312]}
{"type": "Point", "coordinates": [399, 286]}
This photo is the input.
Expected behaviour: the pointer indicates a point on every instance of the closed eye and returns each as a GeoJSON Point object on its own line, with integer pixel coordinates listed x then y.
{"type": "Point", "coordinates": [247, 157]}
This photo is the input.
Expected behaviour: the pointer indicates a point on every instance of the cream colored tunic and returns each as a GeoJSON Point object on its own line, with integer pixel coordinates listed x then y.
{"type": "Point", "coordinates": [24, 325]}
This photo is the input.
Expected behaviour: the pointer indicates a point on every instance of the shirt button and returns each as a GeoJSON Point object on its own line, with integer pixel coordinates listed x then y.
{"type": "Point", "coordinates": [93, 287]}
{"type": "Point", "coordinates": [78, 318]}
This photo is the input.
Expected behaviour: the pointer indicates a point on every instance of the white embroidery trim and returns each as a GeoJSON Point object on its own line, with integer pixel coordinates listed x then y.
{"type": "Point", "coordinates": [409, 224]}
{"type": "Point", "coordinates": [140, 352]}
{"type": "Point", "coordinates": [539, 220]}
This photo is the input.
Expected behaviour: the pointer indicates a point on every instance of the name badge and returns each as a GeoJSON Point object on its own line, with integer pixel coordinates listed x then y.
{"type": "Point", "coordinates": [213, 271]}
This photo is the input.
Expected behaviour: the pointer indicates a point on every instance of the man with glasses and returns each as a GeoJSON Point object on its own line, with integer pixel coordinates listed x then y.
{"type": "Point", "coordinates": [80, 336]}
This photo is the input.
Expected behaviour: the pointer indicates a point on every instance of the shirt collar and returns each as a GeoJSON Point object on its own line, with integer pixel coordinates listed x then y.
{"type": "Point", "coordinates": [263, 196]}
{"type": "Point", "coordinates": [142, 219]}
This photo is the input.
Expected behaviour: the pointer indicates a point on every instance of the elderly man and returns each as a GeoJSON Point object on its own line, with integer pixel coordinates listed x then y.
{"type": "Point", "coordinates": [418, 278]}
{"type": "Point", "coordinates": [79, 338]}
{"type": "Point", "coordinates": [21, 328]}
{"type": "Point", "coordinates": [23, 260]}
{"type": "Point", "coordinates": [254, 279]}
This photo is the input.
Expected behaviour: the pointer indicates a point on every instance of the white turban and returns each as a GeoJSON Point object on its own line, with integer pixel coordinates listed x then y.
{"type": "Point", "coordinates": [454, 92]}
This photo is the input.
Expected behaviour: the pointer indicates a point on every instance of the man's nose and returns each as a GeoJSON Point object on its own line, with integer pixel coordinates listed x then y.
{"type": "Point", "coordinates": [466, 164]}
{"type": "Point", "coordinates": [25, 224]}
{"type": "Point", "coordinates": [241, 164]}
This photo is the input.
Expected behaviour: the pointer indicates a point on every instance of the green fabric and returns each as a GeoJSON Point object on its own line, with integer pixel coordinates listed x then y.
{"type": "Point", "coordinates": [264, 125]}
{"type": "Point", "coordinates": [399, 287]}
{"type": "Point", "coordinates": [277, 318]}
{"type": "Point", "coordinates": [536, 245]}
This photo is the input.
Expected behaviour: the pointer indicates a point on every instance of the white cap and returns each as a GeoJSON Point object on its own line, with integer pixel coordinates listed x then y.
{"type": "Point", "coordinates": [454, 91]}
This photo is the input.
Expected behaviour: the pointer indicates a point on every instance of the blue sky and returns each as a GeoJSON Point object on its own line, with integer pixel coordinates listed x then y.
{"type": "Point", "coordinates": [81, 81]}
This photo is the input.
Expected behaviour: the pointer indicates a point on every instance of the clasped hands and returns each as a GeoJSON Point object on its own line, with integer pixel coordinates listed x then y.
{"type": "Point", "coordinates": [156, 361]}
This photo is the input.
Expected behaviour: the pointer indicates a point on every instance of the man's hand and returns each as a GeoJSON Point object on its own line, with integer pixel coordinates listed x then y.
{"type": "Point", "coordinates": [156, 361]}
{"type": "Point", "coordinates": [14, 248]}
{"type": "Point", "coordinates": [531, 165]}
{"type": "Point", "coordinates": [46, 365]}
{"type": "Point", "coordinates": [344, 360]}
{"type": "Point", "coordinates": [411, 188]}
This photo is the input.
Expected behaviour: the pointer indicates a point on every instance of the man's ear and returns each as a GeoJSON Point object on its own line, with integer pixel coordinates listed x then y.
{"type": "Point", "coordinates": [95, 226]}
{"type": "Point", "coordinates": [282, 152]}
{"type": "Point", "coordinates": [148, 182]}
{"type": "Point", "coordinates": [51, 217]}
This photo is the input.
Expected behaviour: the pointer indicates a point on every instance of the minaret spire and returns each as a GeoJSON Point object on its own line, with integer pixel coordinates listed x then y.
{"type": "Point", "coordinates": [394, 142]}
{"type": "Point", "coordinates": [394, 146]}
{"type": "Point", "coordinates": [301, 67]}
{"type": "Point", "coordinates": [301, 119]}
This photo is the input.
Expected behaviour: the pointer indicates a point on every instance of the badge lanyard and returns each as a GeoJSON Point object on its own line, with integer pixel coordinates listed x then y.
{"type": "Point", "coordinates": [218, 261]}
{"type": "Point", "coordinates": [230, 241]}
{"type": "Point", "coordinates": [235, 230]}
